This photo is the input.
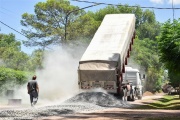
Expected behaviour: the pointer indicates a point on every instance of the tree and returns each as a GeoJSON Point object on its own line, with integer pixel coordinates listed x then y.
{"type": "Point", "coordinates": [146, 24]}
{"type": "Point", "coordinates": [47, 25]}
{"type": "Point", "coordinates": [11, 54]}
{"type": "Point", "coordinates": [8, 41]}
{"type": "Point", "coordinates": [15, 59]}
{"type": "Point", "coordinates": [169, 45]}
{"type": "Point", "coordinates": [83, 28]}
{"type": "Point", "coordinates": [145, 54]}
{"type": "Point", "coordinates": [14, 63]}
{"type": "Point", "coordinates": [169, 48]}
{"type": "Point", "coordinates": [36, 59]}
{"type": "Point", "coordinates": [10, 78]}
{"type": "Point", "coordinates": [54, 21]}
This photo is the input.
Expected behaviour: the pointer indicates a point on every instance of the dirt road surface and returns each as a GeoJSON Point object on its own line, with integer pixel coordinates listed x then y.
{"type": "Point", "coordinates": [90, 106]}
{"type": "Point", "coordinates": [119, 114]}
{"type": "Point", "coordinates": [124, 113]}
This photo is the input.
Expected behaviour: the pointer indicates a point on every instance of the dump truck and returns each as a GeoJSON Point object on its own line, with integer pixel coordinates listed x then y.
{"type": "Point", "coordinates": [135, 79]}
{"type": "Point", "coordinates": [103, 62]}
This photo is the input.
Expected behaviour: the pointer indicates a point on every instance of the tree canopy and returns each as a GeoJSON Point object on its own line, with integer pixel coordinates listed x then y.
{"type": "Point", "coordinates": [145, 54]}
{"type": "Point", "coordinates": [58, 22]}
{"type": "Point", "coordinates": [12, 57]}
{"type": "Point", "coordinates": [47, 25]}
{"type": "Point", "coordinates": [169, 48]}
{"type": "Point", "coordinates": [10, 52]}
{"type": "Point", "coordinates": [146, 24]}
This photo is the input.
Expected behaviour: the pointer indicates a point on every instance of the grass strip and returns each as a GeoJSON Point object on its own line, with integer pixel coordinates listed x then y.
{"type": "Point", "coordinates": [170, 102]}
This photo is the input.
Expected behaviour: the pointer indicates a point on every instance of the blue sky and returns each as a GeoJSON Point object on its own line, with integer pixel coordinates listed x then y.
{"type": "Point", "coordinates": [11, 11]}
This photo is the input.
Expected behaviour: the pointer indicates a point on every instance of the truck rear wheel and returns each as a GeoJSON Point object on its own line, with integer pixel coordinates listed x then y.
{"type": "Point", "coordinates": [128, 98]}
{"type": "Point", "coordinates": [132, 99]}
{"type": "Point", "coordinates": [139, 97]}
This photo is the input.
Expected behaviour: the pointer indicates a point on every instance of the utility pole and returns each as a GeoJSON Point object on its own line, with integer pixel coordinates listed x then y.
{"type": "Point", "coordinates": [67, 15]}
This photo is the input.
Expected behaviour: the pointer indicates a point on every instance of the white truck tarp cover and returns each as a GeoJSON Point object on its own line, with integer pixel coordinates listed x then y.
{"type": "Point", "coordinates": [110, 43]}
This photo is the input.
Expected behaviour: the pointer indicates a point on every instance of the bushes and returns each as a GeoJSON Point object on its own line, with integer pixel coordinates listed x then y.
{"type": "Point", "coordinates": [9, 78]}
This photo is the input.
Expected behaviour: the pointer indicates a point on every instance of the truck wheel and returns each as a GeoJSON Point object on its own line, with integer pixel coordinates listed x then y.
{"type": "Point", "coordinates": [139, 97]}
{"type": "Point", "coordinates": [128, 98]}
{"type": "Point", "coordinates": [132, 98]}
{"type": "Point", "coordinates": [121, 94]}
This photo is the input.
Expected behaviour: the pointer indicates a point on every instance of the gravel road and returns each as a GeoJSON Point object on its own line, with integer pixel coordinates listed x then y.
{"type": "Point", "coordinates": [83, 102]}
{"type": "Point", "coordinates": [88, 105]}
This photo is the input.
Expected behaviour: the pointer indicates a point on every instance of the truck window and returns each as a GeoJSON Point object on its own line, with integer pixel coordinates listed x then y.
{"type": "Point", "coordinates": [131, 74]}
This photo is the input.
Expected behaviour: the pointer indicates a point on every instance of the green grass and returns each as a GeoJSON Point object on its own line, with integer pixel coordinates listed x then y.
{"type": "Point", "coordinates": [164, 118]}
{"type": "Point", "coordinates": [170, 102]}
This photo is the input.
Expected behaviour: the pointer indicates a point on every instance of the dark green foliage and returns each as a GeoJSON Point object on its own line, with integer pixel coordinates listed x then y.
{"type": "Point", "coordinates": [10, 78]}
{"type": "Point", "coordinates": [12, 57]}
{"type": "Point", "coordinates": [13, 63]}
{"type": "Point", "coordinates": [174, 78]}
{"type": "Point", "coordinates": [145, 54]}
{"type": "Point", "coordinates": [169, 48]}
{"type": "Point", "coordinates": [10, 53]}
{"type": "Point", "coordinates": [146, 24]}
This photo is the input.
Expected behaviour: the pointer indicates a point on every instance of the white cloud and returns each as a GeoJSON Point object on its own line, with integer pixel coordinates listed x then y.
{"type": "Point", "coordinates": [157, 1]}
{"type": "Point", "coordinates": [175, 2]}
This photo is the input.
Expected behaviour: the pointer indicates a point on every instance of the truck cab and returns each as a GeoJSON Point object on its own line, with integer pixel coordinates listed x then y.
{"type": "Point", "coordinates": [133, 76]}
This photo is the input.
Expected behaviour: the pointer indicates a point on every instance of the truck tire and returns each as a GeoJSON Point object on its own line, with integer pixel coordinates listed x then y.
{"type": "Point", "coordinates": [121, 94]}
{"type": "Point", "coordinates": [139, 97]}
{"type": "Point", "coordinates": [128, 98]}
{"type": "Point", "coordinates": [132, 99]}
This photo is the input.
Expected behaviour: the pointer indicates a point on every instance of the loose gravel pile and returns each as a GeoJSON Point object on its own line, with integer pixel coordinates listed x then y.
{"type": "Point", "coordinates": [98, 98]}
{"type": "Point", "coordinates": [86, 101]}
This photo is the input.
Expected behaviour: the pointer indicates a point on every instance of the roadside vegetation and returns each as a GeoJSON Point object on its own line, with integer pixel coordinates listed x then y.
{"type": "Point", "coordinates": [168, 102]}
{"type": "Point", "coordinates": [155, 50]}
{"type": "Point", "coordinates": [163, 118]}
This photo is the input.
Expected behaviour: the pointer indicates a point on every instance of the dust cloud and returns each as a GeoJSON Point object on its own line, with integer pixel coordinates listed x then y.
{"type": "Point", "coordinates": [133, 64]}
{"type": "Point", "coordinates": [58, 79]}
